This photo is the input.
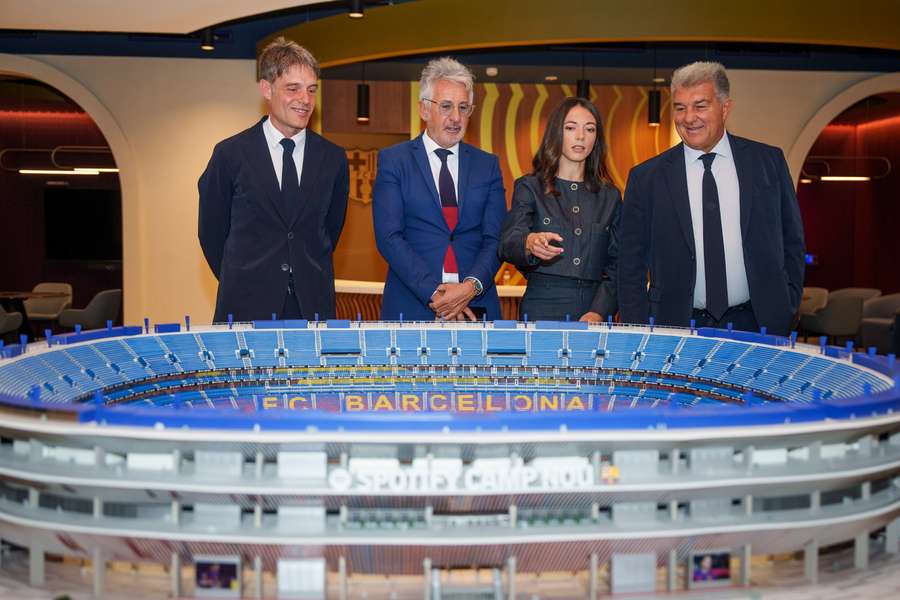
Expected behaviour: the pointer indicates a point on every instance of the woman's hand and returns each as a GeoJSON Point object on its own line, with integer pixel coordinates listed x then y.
{"type": "Point", "coordinates": [591, 317]}
{"type": "Point", "coordinates": [538, 245]}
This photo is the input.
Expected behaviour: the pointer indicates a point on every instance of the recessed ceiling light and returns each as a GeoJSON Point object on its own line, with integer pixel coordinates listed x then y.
{"type": "Point", "coordinates": [491, 71]}
{"type": "Point", "coordinates": [659, 80]}
{"type": "Point", "coordinates": [805, 180]}
{"type": "Point", "coordinates": [844, 178]}
{"type": "Point", "coordinates": [550, 78]}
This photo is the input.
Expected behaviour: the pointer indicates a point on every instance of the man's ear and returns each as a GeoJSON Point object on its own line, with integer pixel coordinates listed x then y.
{"type": "Point", "coordinates": [424, 110]}
{"type": "Point", "coordinates": [726, 108]}
{"type": "Point", "coordinates": [265, 88]}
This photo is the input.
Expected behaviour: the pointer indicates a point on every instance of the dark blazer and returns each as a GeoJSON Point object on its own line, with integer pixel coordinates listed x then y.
{"type": "Point", "coordinates": [656, 236]}
{"type": "Point", "coordinates": [594, 245]}
{"type": "Point", "coordinates": [251, 241]}
{"type": "Point", "coordinates": [412, 234]}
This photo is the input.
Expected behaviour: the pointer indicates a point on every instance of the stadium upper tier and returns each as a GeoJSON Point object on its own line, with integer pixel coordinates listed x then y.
{"type": "Point", "coordinates": [510, 374]}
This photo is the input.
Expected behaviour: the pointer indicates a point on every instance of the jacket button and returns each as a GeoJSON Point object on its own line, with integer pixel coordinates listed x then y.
{"type": "Point", "coordinates": [546, 220]}
{"type": "Point", "coordinates": [578, 231]}
{"type": "Point", "coordinates": [576, 261]}
{"type": "Point", "coordinates": [576, 209]}
{"type": "Point", "coordinates": [290, 235]}
{"type": "Point", "coordinates": [285, 267]}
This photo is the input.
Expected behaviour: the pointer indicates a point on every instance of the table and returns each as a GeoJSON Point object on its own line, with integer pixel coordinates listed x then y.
{"type": "Point", "coordinates": [15, 302]}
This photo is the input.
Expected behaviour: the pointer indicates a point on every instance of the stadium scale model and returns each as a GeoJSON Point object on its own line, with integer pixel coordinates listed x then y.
{"type": "Point", "coordinates": [410, 448]}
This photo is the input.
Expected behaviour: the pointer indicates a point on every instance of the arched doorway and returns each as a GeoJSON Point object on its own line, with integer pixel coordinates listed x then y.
{"type": "Point", "coordinates": [31, 69]}
{"type": "Point", "coordinates": [848, 191]}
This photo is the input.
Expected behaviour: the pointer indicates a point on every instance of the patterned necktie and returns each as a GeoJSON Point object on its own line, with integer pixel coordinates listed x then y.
{"type": "Point", "coordinates": [290, 183]}
{"type": "Point", "coordinates": [449, 207]}
{"type": "Point", "coordinates": [713, 244]}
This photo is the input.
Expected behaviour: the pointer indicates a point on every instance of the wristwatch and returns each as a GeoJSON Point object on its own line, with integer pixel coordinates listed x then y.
{"type": "Point", "coordinates": [476, 284]}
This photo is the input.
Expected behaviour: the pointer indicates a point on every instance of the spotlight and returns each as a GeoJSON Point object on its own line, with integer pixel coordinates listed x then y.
{"type": "Point", "coordinates": [583, 89]}
{"type": "Point", "coordinates": [208, 41]}
{"type": "Point", "coordinates": [362, 102]}
{"type": "Point", "coordinates": [653, 101]}
{"type": "Point", "coordinates": [356, 9]}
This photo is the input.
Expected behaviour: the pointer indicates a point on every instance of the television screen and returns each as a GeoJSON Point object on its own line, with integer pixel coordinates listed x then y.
{"type": "Point", "coordinates": [82, 224]}
{"type": "Point", "coordinates": [217, 577]}
{"type": "Point", "coordinates": [709, 568]}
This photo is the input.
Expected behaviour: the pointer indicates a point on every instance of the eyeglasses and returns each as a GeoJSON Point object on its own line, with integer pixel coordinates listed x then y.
{"type": "Point", "coordinates": [446, 107]}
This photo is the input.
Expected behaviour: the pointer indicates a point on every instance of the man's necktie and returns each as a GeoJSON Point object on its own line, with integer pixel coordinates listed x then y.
{"type": "Point", "coordinates": [449, 207]}
{"type": "Point", "coordinates": [290, 183]}
{"type": "Point", "coordinates": [713, 244]}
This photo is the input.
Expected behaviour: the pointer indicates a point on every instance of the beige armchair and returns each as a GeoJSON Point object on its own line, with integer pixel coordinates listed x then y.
{"type": "Point", "coordinates": [842, 314]}
{"type": "Point", "coordinates": [48, 309]}
{"type": "Point", "coordinates": [9, 321]}
{"type": "Point", "coordinates": [878, 322]}
{"type": "Point", "coordinates": [102, 308]}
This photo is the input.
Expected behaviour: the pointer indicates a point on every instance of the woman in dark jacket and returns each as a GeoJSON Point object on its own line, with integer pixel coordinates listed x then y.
{"type": "Point", "coordinates": [561, 230]}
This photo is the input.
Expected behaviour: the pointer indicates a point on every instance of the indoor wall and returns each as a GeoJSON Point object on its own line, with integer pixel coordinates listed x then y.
{"type": "Point", "coordinates": [171, 112]}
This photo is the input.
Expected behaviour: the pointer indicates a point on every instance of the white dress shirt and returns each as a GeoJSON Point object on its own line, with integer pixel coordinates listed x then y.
{"type": "Point", "coordinates": [725, 174]}
{"type": "Point", "coordinates": [276, 150]}
{"type": "Point", "coordinates": [453, 165]}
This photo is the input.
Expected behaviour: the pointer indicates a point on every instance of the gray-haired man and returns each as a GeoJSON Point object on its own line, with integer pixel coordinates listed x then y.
{"type": "Point", "coordinates": [713, 222]}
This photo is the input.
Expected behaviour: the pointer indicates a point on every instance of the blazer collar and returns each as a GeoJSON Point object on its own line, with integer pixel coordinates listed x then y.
{"type": "Point", "coordinates": [743, 164]}
{"type": "Point", "coordinates": [312, 162]}
{"type": "Point", "coordinates": [676, 180]}
{"type": "Point", "coordinates": [259, 158]}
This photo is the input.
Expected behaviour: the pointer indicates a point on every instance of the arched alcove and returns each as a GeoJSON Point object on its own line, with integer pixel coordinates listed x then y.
{"type": "Point", "coordinates": [35, 69]}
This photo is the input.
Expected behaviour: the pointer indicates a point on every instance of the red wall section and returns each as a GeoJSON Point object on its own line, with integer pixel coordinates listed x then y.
{"type": "Point", "coordinates": [854, 227]}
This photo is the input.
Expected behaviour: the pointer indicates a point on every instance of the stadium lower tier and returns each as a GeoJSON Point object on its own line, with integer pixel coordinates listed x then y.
{"type": "Point", "coordinates": [498, 449]}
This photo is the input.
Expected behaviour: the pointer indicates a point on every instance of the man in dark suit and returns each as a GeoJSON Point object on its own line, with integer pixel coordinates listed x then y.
{"type": "Point", "coordinates": [713, 222]}
{"type": "Point", "coordinates": [272, 201]}
{"type": "Point", "coordinates": [438, 205]}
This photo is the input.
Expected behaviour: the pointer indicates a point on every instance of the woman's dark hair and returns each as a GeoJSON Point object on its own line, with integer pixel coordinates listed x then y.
{"type": "Point", "coordinates": [546, 161]}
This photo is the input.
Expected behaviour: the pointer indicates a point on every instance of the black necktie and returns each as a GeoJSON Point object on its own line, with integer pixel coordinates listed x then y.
{"type": "Point", "coordinates": [713, 244]}
{"type": "Point", "coordinates": [449, 207]}
{"type": "Point", "coordinates": [447, 189]}
{"type": "Point", "coordinates": [290, 183]}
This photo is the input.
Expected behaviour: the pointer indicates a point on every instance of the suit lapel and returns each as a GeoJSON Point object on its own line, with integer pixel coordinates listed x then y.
{"type": "Point", "coordinates": [463, 183]}
{"type": "Point", "coordinates": [418, 152]}
{"type": "Point", "coordinates": [676, 180]}
{"type": "Point", "coordinates": [312, 161]}
{"type": "Point", "coordinates": [260, 159]}
{"type": "Point", "coordinates": [743, 166]}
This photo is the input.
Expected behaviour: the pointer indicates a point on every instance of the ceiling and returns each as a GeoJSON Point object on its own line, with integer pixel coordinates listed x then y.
{"type": "Point", "coordinates": [134, 16]}
{"type": "Point", "coordinates": [873, 108]}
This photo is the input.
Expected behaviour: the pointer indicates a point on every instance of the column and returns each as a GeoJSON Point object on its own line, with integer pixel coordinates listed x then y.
{"type": "Point", "coordinates": [342, 579]}
{"type": "Point", "coordinates": [511, 578]}
{"type": "Point", "coordinates": [746, 555]}
{"type": "Point", "coordinates": [175, 575]}
{"type": "Point", "coordinates": [36, 571]}
{"type": "Point", "coordinates": [99, 560]}
{"type": "Point", "coordinates": [257, 577]}
{"type": "Point", "coordinates": [594, 583]}
{"type": "Point", "coordinates": [861, 550]}
{"type": "Point", "coordinates": [672, 571]}
{"type": "Point", "coordinates": [892, 537]}
{"type": "Point", "coordinates": [811, 561]}
{"type": "Point", "coordinates": [429, 578]}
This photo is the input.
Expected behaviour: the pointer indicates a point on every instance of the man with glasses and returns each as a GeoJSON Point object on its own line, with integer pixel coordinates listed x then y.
{"type": "Point", "coordinates": [438, 205]}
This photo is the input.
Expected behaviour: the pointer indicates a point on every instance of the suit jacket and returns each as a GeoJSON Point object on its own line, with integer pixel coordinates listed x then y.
{"type": "Point", "coordinates": [590, 236]}
{"type": "Point", "coordinates": [657, 239]}
{"type": "Point", "coordinates": [412, 234]}
{"type": "Point", "coordinates": [252, 242]}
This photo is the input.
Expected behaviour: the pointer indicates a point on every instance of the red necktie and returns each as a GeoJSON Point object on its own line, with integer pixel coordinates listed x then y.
{"type": "Point", "coordinates": [448, 206]}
